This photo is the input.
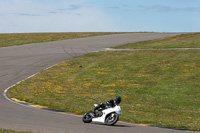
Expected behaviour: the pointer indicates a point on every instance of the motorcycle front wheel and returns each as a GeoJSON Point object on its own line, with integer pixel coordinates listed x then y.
{"type": "Point", "coordinates": [111, 119]}
{"type": "Point", "coordinates": [87, 118]}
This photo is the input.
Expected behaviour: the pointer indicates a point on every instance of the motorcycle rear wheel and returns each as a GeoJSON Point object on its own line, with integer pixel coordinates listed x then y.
{"type": "Point", "coordinates": [87, 118]}
{"type": "Point", "coordinates": [111, 119]}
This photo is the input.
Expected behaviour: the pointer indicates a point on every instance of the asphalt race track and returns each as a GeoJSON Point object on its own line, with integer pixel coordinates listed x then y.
{"type": "Point", "coordinates": [20, 62]}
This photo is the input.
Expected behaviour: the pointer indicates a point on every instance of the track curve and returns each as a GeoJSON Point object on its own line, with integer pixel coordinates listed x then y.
{"type": "Point", "coordinates": [19, 62]}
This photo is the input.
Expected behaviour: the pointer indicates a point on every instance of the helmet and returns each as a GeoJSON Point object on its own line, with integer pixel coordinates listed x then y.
{"type": "Point", "coordinates": [118, 99]}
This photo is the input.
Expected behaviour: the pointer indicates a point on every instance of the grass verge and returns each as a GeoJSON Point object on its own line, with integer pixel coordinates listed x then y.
{"type": "Point", "coordinates": [12, 131]}
{"type": "Point", "coordinates": [191, 40]}
{"type": "Point", "coordinates": [157, 87]}
{"type": "Point", "coordinates": [26, 38]}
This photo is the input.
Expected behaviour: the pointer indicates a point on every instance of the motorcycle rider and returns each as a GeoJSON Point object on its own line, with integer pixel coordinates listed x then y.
{"type": "Point", "coordinates": [110, 103]}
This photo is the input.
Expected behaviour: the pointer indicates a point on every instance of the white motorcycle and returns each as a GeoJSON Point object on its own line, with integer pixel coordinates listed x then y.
{"type": "Point", "coordinates": [108, 116]}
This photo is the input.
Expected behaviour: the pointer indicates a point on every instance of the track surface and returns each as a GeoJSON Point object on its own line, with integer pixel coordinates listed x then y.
{"type": "Point", "coordinates": [19, 62]}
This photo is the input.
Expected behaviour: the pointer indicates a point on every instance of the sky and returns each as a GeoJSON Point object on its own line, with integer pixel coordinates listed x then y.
{"type": "Point", "coordinates": [30, 16]}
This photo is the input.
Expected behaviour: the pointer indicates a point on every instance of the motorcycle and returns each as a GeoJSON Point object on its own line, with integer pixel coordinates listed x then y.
{"type": "Point", "coordinates": [108, 116]}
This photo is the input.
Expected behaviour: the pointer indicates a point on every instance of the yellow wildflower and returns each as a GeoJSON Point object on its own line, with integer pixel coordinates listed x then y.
{"type": "Point", "coordinates": [87, 84]}
{"type": "Point", "coordinates": [109, 85]}
{"type": "Point", "coordinates": [136, 112]}
{"type": "Point", "coordinates": [146, 75]}
{"type": "Point", "coordinates": [101, 73]}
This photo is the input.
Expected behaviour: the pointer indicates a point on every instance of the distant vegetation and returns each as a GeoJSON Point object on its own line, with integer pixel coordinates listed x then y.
{"type": "Point", "coordinates": [25, 38]}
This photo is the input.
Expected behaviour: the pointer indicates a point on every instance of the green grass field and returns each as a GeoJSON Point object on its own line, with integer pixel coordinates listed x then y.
{"type": "Point", "coordinates": [26, 38]}
{"type": "Point", "coordinates": [157, 87]}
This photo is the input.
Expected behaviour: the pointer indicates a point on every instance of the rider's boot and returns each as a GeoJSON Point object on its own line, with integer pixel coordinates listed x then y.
{"type": "Point", "coordinates": [92, 114]}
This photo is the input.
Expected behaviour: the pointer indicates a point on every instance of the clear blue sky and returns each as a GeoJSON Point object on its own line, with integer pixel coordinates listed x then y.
{"type": "Point", "coordinates": [18, 16]}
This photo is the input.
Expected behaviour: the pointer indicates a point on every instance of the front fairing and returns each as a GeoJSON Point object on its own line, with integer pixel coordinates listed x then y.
{"type": "Point", "coordinates": [116, 109]}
